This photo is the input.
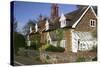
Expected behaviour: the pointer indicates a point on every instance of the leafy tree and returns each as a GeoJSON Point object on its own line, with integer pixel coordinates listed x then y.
{"type": "Point", "coordinates": [35, 41]}
{"type": "Point", "coordinates": [14, 25]}
{"type": "Point", "coordinates": [27, 26]}
{"type": "Point", "coordinates": [59, 33]}
{"type": "Point", "coordinates": [18, 41]}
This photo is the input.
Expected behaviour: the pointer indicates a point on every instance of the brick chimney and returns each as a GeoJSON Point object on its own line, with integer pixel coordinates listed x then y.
{"type": "Point", "coordinates": [54, 11]}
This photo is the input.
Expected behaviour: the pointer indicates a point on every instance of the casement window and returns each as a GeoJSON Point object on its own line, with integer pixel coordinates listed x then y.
{"type": "Point", "coordinates": [92, 23]}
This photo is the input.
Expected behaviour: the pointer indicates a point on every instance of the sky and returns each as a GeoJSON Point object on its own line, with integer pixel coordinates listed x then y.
{"type": "Point", "coordinates": [25, 11]}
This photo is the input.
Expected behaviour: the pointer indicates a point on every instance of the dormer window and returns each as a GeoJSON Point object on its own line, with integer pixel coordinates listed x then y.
{"type": "Point", "coordinates": [92, 23]}
{"type": "Point", "coordinates": [62, 21]}
{"type": "Point", "coordinates": [36, 27]}
{"type": "Point", "coordinates": [47, 25]}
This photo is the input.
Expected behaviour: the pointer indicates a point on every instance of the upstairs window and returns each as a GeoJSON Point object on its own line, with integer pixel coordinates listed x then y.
{"type": "Point", "coordinates": [92, 23]}
{"type": "Point", "coordinates": [62, 21]}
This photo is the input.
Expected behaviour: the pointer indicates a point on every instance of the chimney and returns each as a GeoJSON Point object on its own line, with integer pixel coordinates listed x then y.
{"type": "Point", "coordinates": [54, 11]}
{"type": "Point", "coordinates": [41, 17]}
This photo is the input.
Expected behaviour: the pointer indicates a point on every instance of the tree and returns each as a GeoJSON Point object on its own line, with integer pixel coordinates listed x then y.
{"type": "Point", "coordinates": [18, 41]}
{"type": "Point", "coordinates": [14, 25]}
{"type": "Point", "coordinates": [28, 25]}
{"type": "Point", "coordinates": [59, 33]}
{"type": "Point", "coordinates": [35, 41]}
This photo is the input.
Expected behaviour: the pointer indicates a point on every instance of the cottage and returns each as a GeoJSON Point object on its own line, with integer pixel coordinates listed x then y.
{"type": "Point", "coordinates": [77, 27]}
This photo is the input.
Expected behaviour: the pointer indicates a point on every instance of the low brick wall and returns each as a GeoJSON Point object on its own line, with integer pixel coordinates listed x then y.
{"type": "Point", "coordinates": [55, 57]}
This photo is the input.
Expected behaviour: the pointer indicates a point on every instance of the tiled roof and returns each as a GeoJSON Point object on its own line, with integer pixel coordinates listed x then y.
{"type": "Point", "coordinates": [72, 17]}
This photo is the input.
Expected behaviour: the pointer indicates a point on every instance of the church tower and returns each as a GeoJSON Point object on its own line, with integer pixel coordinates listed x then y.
{"type": "Point", "coordinates": [54, 11]}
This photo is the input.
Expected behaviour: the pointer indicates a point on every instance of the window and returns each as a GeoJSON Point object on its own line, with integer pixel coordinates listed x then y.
{"type": "Point", "coordinates": [92, 23]}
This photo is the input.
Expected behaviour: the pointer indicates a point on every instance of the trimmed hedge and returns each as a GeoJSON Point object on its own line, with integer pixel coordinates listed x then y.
{"type": "Point", "coordinates": [54, 49]}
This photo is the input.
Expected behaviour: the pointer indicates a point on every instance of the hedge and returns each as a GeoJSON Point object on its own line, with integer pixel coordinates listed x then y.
{"type": "Point", "coordinates": [54, 49]}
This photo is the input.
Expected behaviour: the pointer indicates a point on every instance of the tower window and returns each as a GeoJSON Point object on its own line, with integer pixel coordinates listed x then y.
{"type": "Point", "coordinates": [92, 23]}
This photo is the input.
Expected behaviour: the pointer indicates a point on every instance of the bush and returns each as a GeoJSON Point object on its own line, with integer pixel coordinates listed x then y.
{"type": "Point", "coordinates": [80, 59]}
{"type": "Point", "coordinates": [94, 49]}
{"type": "Point", "coordinates": [54, 49]}
{"type": "Point", "coordinates": [35, 46]}
{"type": "Point", "coordinates": [22, 52]}
{"type": "Point", "coordinates": [18, 41]}
{"type": "Point", "coordinates": [37, 58]}
{"type": "Point", "coordinates": [47, 57]}
{"type": "Point", "coordinates": [94, 59]}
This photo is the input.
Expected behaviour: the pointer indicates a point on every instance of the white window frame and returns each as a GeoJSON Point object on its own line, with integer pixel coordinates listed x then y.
{"type": "Point", "coordinates": [92, 23]}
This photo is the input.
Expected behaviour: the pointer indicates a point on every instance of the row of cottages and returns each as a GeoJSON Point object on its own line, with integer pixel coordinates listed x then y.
{"type": "Point", "coordinates": [76, 25]}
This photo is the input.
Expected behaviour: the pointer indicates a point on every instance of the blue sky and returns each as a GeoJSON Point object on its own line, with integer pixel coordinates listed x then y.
{"type": "Point", "coordinates": [24, 11]}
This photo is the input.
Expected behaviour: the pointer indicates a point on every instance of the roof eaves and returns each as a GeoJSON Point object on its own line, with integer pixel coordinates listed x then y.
{"type": "Point", "coordinates": [93, 11]}
{"type": "Point", "coordinates": [74, 25]}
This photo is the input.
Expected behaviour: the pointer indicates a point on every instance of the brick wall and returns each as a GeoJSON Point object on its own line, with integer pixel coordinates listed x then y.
{"type": "Point", "coordinates": [84, 24]}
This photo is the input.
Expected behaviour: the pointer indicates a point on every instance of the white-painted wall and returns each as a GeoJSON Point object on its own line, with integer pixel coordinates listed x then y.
{"type": "Point", "coordinates": [86, 41]}
{"type": "Point", "coordinates": [30, 29]}
{"type": "Point", "coordinates": [28, 41]}
{"type": "Point", "coordinates": [36, 27]}
{"type": "Point", "coordinates": [63, 43]}
{"type": "Point", "coordinates": [54, 43]}
{"type": "Point", "coordinates": [47, 25]}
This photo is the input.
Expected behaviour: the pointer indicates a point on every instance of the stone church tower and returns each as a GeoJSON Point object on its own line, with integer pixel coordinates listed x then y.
{"type": "Point", "coordinates": [54, 11]}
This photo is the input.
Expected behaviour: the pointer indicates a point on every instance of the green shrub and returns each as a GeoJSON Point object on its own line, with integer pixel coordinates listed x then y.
{"type": "Point", "coordinates": [37, 58]}
{"type": "Point", "coordinates": [18, 41]}
{"type": "Point", "coordinates": [94, 59]}
{"type": "Point", "coordinates": [80, 59]}
{"type": "Point", "coordinates": [47, 57]}
{"type": "Point", "coordinates": [94, 49]}
{"type": "Point", "coordinates": [35, 46]}
{"type": "Point", "coordinates": [54, 49]}
{"type": "Point", "coordinates": [21, 51]}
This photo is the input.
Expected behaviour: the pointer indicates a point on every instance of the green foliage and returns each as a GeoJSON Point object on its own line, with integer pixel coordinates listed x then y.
{"type": "Point", "coordinates": [59, 33]}
{"type": "Point", "coordinates": [18, 41]}
{"type": "Point", "coordinates": [35, 41]}
{"type": "Point", "coordinates": [80, 59]}
{"type": "Point", "coordinates": [54, 49]}
{"type": "Point", "coordinates": [94, 34]}
{"type": "Point", "coordinates": [37, 58]}
{"type": "Point", "coordinates": [28, 25]}
{"type": "Point", "coordinates": [94, 59]}
{"type": "Point", "coordinates": [94, 49]}
{"type": "Point", "coordinates": [47, 57]}
{"type": "Point", "coordinates": [22, 52]}
{"type": "Point", "coordinates": [14, 25]}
